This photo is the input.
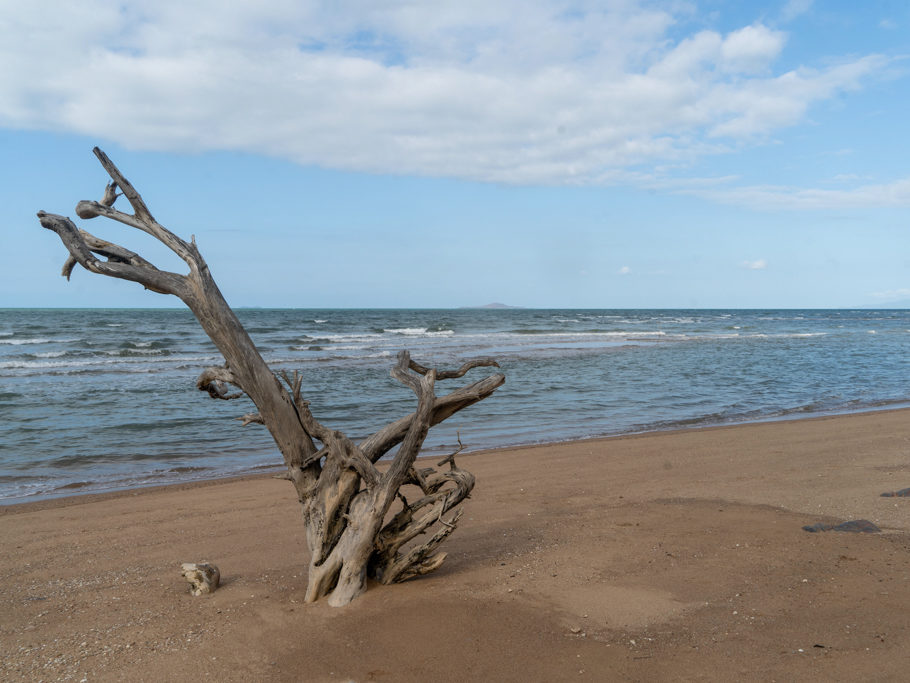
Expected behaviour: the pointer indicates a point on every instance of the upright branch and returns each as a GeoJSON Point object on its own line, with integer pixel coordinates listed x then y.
{"type": "Point", "coordinates": [346, 498]}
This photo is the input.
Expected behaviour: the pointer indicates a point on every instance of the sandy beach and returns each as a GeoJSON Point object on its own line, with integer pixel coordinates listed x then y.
{"type": "Point", "coordinates": [668, 556]}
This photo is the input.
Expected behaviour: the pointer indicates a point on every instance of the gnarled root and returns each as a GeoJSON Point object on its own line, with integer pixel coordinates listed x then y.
{"type": "Point", "coordinates": [442, 492]}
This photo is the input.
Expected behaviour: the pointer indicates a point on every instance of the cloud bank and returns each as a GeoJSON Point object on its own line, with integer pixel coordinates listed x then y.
{"type": "Point", "coordinates": [549, 93]}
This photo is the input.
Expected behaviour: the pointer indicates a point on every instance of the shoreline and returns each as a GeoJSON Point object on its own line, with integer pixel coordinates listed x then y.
{"type": "Point", "coordinates": [47, 501]}
{"type": "Point", "coordinates": [674, 555]}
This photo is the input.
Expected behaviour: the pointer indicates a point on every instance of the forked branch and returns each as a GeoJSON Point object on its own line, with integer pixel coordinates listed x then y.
{"type": "Point", "coordinates": [119, 262]}
{"type": "Point", "coordinates": [378, 444]}
{"type": "Point", "coordinates": [141, 218]}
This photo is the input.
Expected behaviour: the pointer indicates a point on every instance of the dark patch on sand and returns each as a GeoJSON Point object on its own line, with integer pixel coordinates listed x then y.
{"type": "Point", "coordinates": [854, 525]}
{"type": "Point", "coordinates": [903, 493]}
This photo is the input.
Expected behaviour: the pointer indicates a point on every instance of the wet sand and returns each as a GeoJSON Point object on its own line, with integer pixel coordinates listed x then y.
{"type": "Point", "coordinates": [675, 556]}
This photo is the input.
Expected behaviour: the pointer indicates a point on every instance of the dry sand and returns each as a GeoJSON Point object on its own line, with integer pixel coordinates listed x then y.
{"type": "Point", "coordinates": [674, 556]}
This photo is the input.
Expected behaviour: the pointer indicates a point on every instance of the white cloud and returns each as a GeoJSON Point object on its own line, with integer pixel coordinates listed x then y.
{"type": "Point", "coordinates": [513, 92]}
{"type": "Point", "coordinates": [760, 106]}
{"type": "Point", "coordinates": [777, 197]}
{"type": "Point", "coordinates": [759, 264]}
{"type": "Point", "coordinates": [892, 294]}
{"type": "Point", "coordinates": [751, 49]}
{"type": "Point", "coordinates": [625, 270]}
{"type": "Point", "coordinates": [795, 8]}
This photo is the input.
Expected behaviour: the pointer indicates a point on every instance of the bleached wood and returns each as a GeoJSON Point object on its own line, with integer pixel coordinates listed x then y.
{"type": "Point", "coordinates": [345, 498]}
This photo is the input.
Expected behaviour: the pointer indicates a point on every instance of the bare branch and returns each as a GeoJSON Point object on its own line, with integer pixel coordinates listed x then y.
{"type": "Point", "coordinates": [417, 477]}
{"type": "Point", "coordinates": [341, 446]}
{"type": "Point", "coordinates": [400, 372]}
{"type": "Point", "coordinates": [214, 380]}
{"type": "Point", "coordinates": [88, 209]}
{"type": "Point", "coordinates": [419, 560]}
{"type": "Point", "coordinates": [121, 263]}
{"type": "Point", "coordinates": [387, 565]}
{"type": "Point", "coordinates": [460, 372]}
{"type": "Point", "coordinates": [110, 194]}
{"type": "Point", "coordinates": [134, 198]}
{"type": "Point", "coordinates": [417, 429]}
{"type": "Point", "coordinates": [378, 444]}
{"type": "Point", "coordinates": [250, 419]}
{"type": "Point", "coordinates": [68, 266]}
{"type": "Point", "coordinates": [451, 457]}
{"type": "Point", "coordinates": [294, 383]}
{"type": "Point", "coordinates": [337, 445]}
{"type": "Point", "coordinates": [142, 218]}
{"type": "Point", "coordinates": [403, 526]}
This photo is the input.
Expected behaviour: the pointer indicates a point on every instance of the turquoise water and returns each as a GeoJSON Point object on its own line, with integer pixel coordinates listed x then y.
{"type": "Point", "coordinates": [94, 400]}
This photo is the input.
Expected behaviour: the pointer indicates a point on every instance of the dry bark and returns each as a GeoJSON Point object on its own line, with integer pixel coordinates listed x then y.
{"type": "Point", "coordinates": [345, 498]}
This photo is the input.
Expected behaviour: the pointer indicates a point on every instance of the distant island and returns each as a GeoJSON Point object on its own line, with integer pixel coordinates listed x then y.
{"type": "Point", "coordinates": [495, 305]}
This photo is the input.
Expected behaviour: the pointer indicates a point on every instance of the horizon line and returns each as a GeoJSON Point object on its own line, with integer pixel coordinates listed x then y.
{"type": "Point", "coordinates": [864, 307]}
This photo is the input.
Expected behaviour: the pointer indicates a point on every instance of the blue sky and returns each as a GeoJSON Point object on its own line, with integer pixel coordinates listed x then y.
{"type": "Point", "coordinates": [399, 154]}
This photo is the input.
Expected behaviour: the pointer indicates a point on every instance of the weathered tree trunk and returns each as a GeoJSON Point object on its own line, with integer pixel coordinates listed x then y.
{"type": "Point", "coordinates": [345, 498]}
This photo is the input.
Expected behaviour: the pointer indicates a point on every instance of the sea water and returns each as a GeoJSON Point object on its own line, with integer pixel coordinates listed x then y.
{"type": "Point", "coordinates": [95, 400]}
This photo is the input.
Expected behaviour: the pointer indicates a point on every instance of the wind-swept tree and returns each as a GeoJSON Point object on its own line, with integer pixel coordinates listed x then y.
{"type": "Point", "coordinates": [351, 528]}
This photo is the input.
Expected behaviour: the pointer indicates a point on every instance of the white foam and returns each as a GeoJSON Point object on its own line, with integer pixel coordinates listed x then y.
{"type": "Point", "coordinates": [408, 331]}
{"type": "Point", "coordinates": [622, 333]}
{"type": "Point", "coordinates": [419, 332]}
{"type": "Point", "coordinates": [134, 352]}
{"type": "Point", "coordinates": [341, 338]}
{"type": "Point", "coordinates": [103, 363]}
{"type": "Point", "coordinates": [38, 340]}
{"type": "Point", "coordinates": [31, 364]}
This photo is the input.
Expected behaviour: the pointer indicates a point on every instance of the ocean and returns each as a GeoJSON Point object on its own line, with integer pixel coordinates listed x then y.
{"type": "Point", "coordinates": [97, 400]}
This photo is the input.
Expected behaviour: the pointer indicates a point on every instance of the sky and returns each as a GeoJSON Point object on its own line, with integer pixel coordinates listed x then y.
{"type": "Point", "coordinates": [403, 154]}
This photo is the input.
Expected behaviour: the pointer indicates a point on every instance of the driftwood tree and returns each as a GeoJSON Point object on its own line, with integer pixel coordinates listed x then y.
{"type": "Point", "coordinates": [353, 528]}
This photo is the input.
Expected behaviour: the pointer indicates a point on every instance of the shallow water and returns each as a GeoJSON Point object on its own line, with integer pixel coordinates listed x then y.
{"type": "Point", "coordinates": [96, 400]}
